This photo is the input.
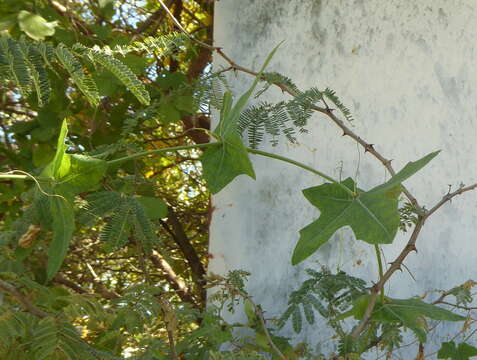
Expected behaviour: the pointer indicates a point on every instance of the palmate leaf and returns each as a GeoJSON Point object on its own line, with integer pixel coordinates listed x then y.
{"type": "Point", "coordinates": [408, 312]}
{"type": "Point", "coordinates": [224, 162]}
{"type": "Point", "coordinates": [229, 159]}
{"type": "Point", "coordinates": [463, 351]}
{"type": "Point", "coordinates": [373, 215]}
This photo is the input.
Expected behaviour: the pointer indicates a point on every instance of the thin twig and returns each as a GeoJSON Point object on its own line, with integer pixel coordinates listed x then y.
{"type": "Point", "coordinates": [17, 295]}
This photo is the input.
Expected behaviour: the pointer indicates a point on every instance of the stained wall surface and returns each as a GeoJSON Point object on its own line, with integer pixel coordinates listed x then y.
{"type": "Point", "coordinates": [408, 72]}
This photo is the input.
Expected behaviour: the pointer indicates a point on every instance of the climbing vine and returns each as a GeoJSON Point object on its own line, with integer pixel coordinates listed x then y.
{"type": "Point", "coordinates": [94, 191]}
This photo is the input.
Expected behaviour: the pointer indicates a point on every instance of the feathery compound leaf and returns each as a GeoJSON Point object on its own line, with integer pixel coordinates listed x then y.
{"type": "Point", "coordinates": [123, 73]}
{"type": "Point", "coordinates": [267, 118]}
{"type": "Point", "coordinates": [84, 82]}
{"type": "Point", "coordinates": [331, 95]}
{"type": "Point", "coordinates": [99, 204]}
{"type": "Point", "coordinates": [277, 79]}
{"type": "Point", "coordinates": [373, 215]}
{"type": "Point", "coordinates": [164, 45]}
{"type": "Point", "coordinates": [115, 233]}
{"type": "Point", "coordinates": [324, 292]}
{"type": "Point", "coordinates": [45, 338]}
{"type": "Point", "coordinates": [39, 75]}
{"type": "Point", "coordinates": [143, 227]}
{"type": "Point", "coordinates": [13, 65]}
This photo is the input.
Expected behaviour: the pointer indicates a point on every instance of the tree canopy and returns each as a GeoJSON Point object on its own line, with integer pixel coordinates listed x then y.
{"type": "Point", "coordinates": [139, 230]}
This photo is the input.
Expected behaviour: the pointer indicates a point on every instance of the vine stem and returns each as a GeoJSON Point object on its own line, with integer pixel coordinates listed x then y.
{"type": "Point", "coordinates": [163, 150]}
{"type": "Point", "coordinates": [380, 268]}
{"type": "Point", "coordinates": [300, 165]}
{"type": "Point", "coordinates": [250, 150]}
{"type": "Point", "coordinates": [14, 177]}
{"type": "Point", "coordinates": [208, 145]}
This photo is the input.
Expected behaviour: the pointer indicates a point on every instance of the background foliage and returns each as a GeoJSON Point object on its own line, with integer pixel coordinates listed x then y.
{"type": "Point", "coordinates": [114, 255]}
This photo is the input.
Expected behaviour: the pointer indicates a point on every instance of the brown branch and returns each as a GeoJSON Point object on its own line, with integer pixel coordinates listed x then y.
{"type": "Point", "coordinates": [61, 279]}
{"type": "Point", "coordinates": [18, 296]}
{"type": "Point", "coordinates": [181, 239]}
{"type": "Point", "coordinates": [171, 323]}
{"type": "Point", "coordinates": [193, 124]}
{"type": "Point", "coordinates": [450, 196]}
{"type": "Point", "coordinates": [77, 22]}
{"type": "Point", "coordinates": [155, 16]}
{"type": "Point", "coordinates": [172, 278]}
{"type": "Point", "coordinates": [466, 308]}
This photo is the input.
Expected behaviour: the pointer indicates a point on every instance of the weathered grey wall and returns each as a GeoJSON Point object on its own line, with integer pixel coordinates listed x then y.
{"type": "Point", "coordinates": [407, 70]}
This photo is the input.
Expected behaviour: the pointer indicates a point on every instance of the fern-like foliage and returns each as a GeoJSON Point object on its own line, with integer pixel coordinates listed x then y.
{"type": "Point", "coordinates": [282, 118]}
{"type": "Point", "coordinates": [38, 75]}
{"type": "Point", "coordinates": [238, 355]}
{"type": "Point", "coordinates": [285, 117]}
{"type": "Point", "coordinates": [84, 82]}
{"type": "Point", "coordinates": [331, 95]}
{"type": "Point", "coordinates": [122, 72]}
{"type": "Point", "coordinates": [208, 90]}
{"type": "Point", "coordinates": [391, 336]}
{"type": "Point", "coordinates": [275, 78]}
{"type": "Point", "coordinates": [138, 308]}
{"type": "Point", "coordinates": [165, 45]}
{"type": "Point", "coordinates": [13, 64]}
{"type": "Point", "coordinates": [328, 294]}
{"type": "Point", "coordinates": [125, 215]}
{"type": "Point", "coordinates": [28, 337]}
{"type": "Point", "coordinates": [26, 64]}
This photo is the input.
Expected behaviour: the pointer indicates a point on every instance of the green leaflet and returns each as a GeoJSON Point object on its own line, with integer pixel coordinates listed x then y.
{"type": "Point", "coordinates": [69, 175]}
{"type": "Point", "coordinates": [63, 226]}
{"type": "Point", "coordinates": [409, 312]}
{"type": "Point", "coordinates": [84, 174]}
{"type": "Point", "coordinates": [117, 230]}
{"type": "Point", "coordinates": [60, 165]}
{"type": "Point", "coordinates": [154, 208]}
{"type": "Point", "coordinates": [13, 65]}
{"type": "Point", "coordinates": [224, 162]}
{"type": "Point", "coordinates": [73, 174]}
{"type": "Point", "coordinates": [227, 160]}
{"type": "Point", "coordinates": [407, 171]}
{"type": "Point", "coordinates": [373, 215]}
{"type": "Point", "coordinates": [133, 214]}
{"type": "Point", "coordinates": [463, 351]}
{"type": "Point", "coordinates": [35, 26]}
{"type": "Point", "coordinates": [45, 339]}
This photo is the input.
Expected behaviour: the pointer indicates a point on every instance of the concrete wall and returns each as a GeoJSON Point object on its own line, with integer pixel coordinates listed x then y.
{"type": "Point", "coordinates": [407, 70]}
